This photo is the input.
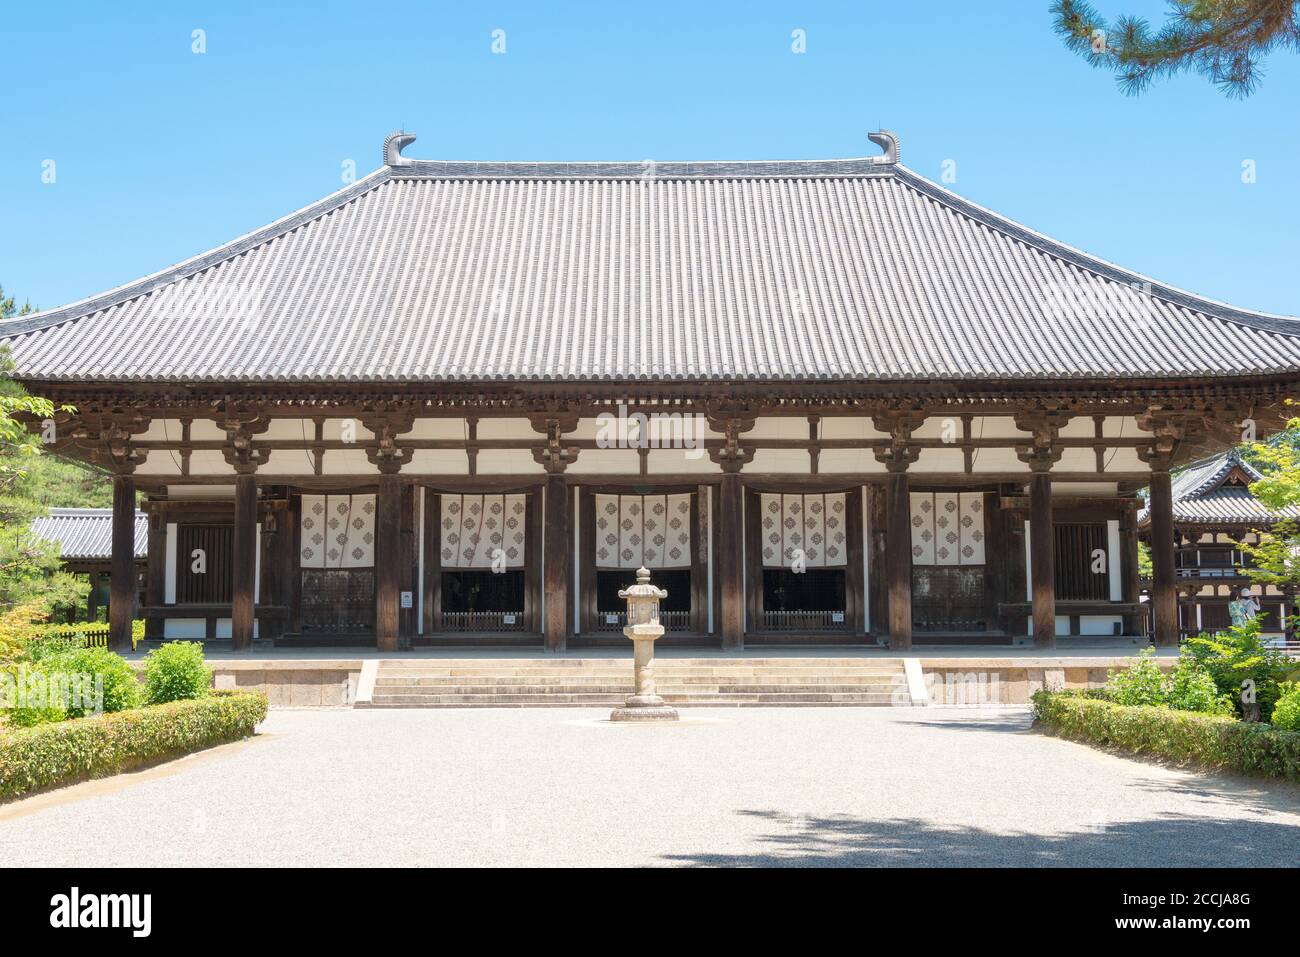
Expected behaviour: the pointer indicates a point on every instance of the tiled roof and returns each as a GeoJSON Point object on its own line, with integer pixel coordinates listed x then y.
{"type": "Point", "coordinates": [84, 533]}
{"type": "Point", "coordinates": [1201, 497]}
{"type": "Point", "coordinates": [852, 269]}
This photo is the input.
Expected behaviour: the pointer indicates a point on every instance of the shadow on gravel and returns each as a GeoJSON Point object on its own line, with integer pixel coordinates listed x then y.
{"type": "Point", "coordinates": [909, 842]}
{"type": "Point", "coordinates": [976, 720]}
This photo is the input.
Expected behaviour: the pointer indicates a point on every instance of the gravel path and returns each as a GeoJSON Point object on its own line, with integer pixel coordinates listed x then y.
{"type": "Point", "coordinates": [810, 786]}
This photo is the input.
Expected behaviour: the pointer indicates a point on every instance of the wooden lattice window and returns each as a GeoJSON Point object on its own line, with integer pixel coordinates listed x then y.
{"type": "Point", "coordinates": [1082, 562]}
{"type": "Point", "coordinates": [204, 579]}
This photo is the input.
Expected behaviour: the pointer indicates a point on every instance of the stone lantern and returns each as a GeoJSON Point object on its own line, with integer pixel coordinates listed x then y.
{"type": "Point", "coordinates": [643, 628]}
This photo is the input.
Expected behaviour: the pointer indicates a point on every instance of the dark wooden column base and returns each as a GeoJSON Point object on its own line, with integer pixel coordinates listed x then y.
{"type": "Point", "coordinates": [244, 564]}
{"type": "Point", "coordinates": [898, 551]}
{"type": "Point", "coordinates": [558, 548]}
{"type": "Point", "coordinates": [122, 590]}
{"type": "Point", "coordinates": [1042, 560]}
{"type": "Point", "coordinates": [388, 562]}
{"type": "Point", "coordinates": [731, 561]}
{"type": "Point", "coordinates": [1164, 598]}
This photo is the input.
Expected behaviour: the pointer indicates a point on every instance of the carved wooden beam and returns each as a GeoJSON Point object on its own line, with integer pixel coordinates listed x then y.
{"type": "Point", "coordinates": [900, 453]}
{"type": "Point", "coordinates": [1044, 449]}
{"type": "Point", "coordinates": [387, 424]}
{"type": "Point", "coordinates": [106, 436]}
{"type": "Point", "coordinates": [555, 457]}
{"type": "Point", "coordinates": [732, 421]}
{"type": "Point", "coordinates": [1175, 436]}
{"type": "Point", "coordinates": [240, 452]}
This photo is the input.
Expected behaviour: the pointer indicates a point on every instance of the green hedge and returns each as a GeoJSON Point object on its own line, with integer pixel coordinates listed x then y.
{"type": "Point", "coordinates": [1180, 736]}
{"type": "Point", "coordinates": [32, 759]}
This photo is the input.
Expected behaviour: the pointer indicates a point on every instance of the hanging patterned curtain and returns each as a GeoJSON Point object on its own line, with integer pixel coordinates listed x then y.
{"type": "Point", "coordinates": [947, 528]}
{"type": "Point", "coordinates": [476, 527]}
{"type": "Point", "coordinates": [338, 531]}
{"type": "Point", "coordinates": [815, 524]}
{"type": "Point", "coordinates": [650, 531]}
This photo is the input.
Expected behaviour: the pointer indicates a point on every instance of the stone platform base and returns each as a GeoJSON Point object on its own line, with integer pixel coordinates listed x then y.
{"type": "Point", "coordinates": [734, 680]}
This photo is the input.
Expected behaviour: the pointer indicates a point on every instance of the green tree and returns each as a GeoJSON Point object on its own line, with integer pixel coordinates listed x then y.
{"type": "Point", "coordinates": [1223, 40]}
{"type": "Point", "coordinates": [1277, 556]}
{"type": "Point", "coordinates": [29, 483]}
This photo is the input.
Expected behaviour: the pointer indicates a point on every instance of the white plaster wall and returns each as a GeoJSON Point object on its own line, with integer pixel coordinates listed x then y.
{"type": "Point", "coordinates": [996, 427]}
{"type": "Point", "coordinates": [1085, 488]}
{"type": "Point", "coordinates": [507, 462]}
{"type": "Point", "coordinates": [997, 460]}
{"type": "Point", "coordinates": [668, 461]}
{"type": "Point", "coordinates": [834, 461]}
{"type": "Point", "coordinates": [212, 462]}
{"type": "Point", "coordinates": [849, 427]}
{"type": "Point", "coordinates": [1099, 624]}
{"type": "Point", "coordinates": [292, 430]}
{"type": "Point", "coordinates": [344, 462]}
{"type": "Point", "coordinates": [1077, 460]}
{"type": "Point", "coordinates": [332, 431]}
{"type": "Point", "coordinates": [940, 460]}
{"type": "Point", "coordinates": [607, 462]}
{"type": "Point", "coordinates": [438, 428]}
{"type": "Point", "coordinates": [185, 629]}
{"type": "Point", "coordinates": [160, 462]}
{"type": "Point", "coordinates": [1123, 460]}
{"type": "Point", "coordinates": [778, 427]}
{"type": "Point", "coordinates": [506, 429]}
{"type": "Point", "coordinates": [200, 492]}
{"type": "Point", "coordinates": [796, 461]}
{"type": "Point", "coordinates": [205, 430]}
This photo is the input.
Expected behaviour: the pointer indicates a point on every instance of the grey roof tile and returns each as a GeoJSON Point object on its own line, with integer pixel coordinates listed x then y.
{"type": "Point", "coordinates": [801, 270]}
{"type": "Point", "coordinates": [1200, 496]}
{"type": "Point", "coordinates": [87, 533]}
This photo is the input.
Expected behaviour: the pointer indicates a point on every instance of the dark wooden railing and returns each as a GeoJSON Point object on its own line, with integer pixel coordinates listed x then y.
{"type": "Point", "coordinates": [803, 620]}
{"type": "Point", "coordinates": [483, 621]}
{"type": "Point", "coordinates": [671, 620]}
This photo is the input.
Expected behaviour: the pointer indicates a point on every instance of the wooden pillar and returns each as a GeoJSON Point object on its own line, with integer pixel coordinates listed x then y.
{"type": "Point", "coordinates": [1288, 613]}
{"type": "Point", "coordinates": [243, 576]}
{"type": "Point", "coordinates": [731, 560]}
{"type": "Point", "coordinates": [558, 547]}
{"type": "Point", "coordinates": [1130, 564]}
{"type": "Point", "coordinates": [898, 548]}
{"type": "Point", "coordinates": [1164, 590]}
{"type": "Point", "coordinates": [1042, 559]}
{"type": "Point", "coordinates": [388, 561]}
{"type": "Point", "coordinates": [92, 599]}
{"type": "Point", "coordinates": [122, 586]}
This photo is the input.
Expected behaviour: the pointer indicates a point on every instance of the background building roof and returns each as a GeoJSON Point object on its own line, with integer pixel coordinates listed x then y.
{"type": "Point", "coordinates": [852, 269]}
{"type": "Point", "coordinates": [87, 533]}
{"type": "Point", "coordinates": [1201, 495]}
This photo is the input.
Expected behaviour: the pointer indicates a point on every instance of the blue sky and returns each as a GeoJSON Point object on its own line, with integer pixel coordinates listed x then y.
{"type": "Point", "coordinates": [161, 153]}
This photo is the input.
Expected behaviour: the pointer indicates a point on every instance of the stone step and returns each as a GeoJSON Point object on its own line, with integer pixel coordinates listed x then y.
{"type": "Point", "coordinates": [626, 689]}
{"type": "Point", "coordinates": [384, 680]}
{"type": "Point", "coordinates": [625, 675]}
{"type": "Point", "coordinates": [600, 682]}
{"type": "Point", "coordinates": [592, 700]}
{"type": "Point", "coordinates": [514, 664]}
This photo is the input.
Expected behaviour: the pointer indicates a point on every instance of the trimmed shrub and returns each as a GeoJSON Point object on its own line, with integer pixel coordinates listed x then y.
{"type": "Point", "coordinates": [1239, 653]}
{"type": "Point", "coordinates": [1190, 687]}
{"type": "Point", "coordinates": [1180, 736]}
{"type": "Point", "coordinates": [1286, 713]}
{"type": "Point", "coordinates": [176, 672]}
{"type": "Point", "coordinates": [32, 759]}
{"type": "Point", "coordinates": [1140, 683]}
{"type": "Point", "coordinates": [14, 701]}
{"type": "Point", "coordinates": [121, 687]}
